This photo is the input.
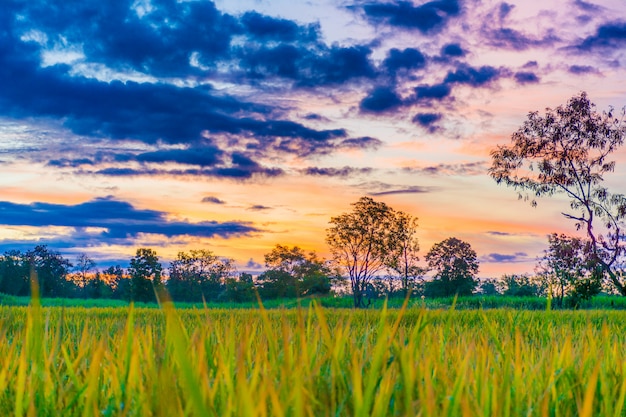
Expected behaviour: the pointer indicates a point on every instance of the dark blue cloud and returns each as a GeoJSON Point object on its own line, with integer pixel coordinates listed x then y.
{"type": "Point", "coordinates": [161, 43]}
{"type": "Point", "coordinates": [409, 58]}
{"type": "Point", "coordinates": [428, 92]}
{"type": "Point", "coordinates": [475, 77]}
{"type": "Point", "coordinates": [504, 10]}
{"type": "Point", "coordinates": [610, 36]}
{"type": "Point", "coordinates": [452, 50]}
{"type": "Point", "coordinates": [427, 119]}
{"type": "Point", "coordinates": [203, 157]}
{"type": "Point", "coordinates": [427, 17]}
{"type": "Point", "coordinates": [581, 69]}
{"type": "Point", "coordinates": [380, 100]}
{"type": "Point", "coordinates": [119, 219]}
{"type": "Point", "coordinates": [265, 27]}
{"type": "Point", "coordinates": [525, 77]}
{"type": "Point", "coordinates": [505, 258]}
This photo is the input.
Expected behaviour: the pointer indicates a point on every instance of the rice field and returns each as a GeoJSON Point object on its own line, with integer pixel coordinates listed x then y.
{"type": "Point", "coordinates": [310, 362]}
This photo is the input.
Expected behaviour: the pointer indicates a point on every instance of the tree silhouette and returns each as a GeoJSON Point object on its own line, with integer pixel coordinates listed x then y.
{"type": "Point", "coordinates": [455, 265]}
{"type": "Point", "coordinates": [361, 243]}
{"type": "Point", "coordinates": [566, 151]}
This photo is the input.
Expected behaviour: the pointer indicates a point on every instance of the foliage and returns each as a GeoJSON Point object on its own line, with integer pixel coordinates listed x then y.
{"type": "Point", "coordinates": [145, 275]}
{"type": "Point", "coordinates": [240, 289]}
{"type": "Point", "coordinates": [521, 285]}
{"type": "Point", "coordinates": [455, 265]}
{"type": "Point", "coordinates": [404, 259]}
{"type": "Point", "coordinates": [566, 151]}
{"type": "Point", "coordinates": [293, 273]}
{"type": "Point", "coordinates": [198, 275]}
{"type": "Point", "coordinates": [568, 267]}
{"type": "Point", "coordinates": [362, 242]}
{"type": "Point", "coordinates": [51, 270]}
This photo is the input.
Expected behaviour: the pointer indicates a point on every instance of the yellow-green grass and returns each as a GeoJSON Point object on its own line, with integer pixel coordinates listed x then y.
{"type": "Point", "coordinates": [310, 362]}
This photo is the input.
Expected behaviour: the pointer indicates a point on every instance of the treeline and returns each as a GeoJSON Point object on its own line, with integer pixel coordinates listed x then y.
{"type": "Point", "coordinates": [194, 276]}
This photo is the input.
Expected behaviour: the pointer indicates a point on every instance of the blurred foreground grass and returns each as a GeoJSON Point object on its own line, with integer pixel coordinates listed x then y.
{"type": "Point", "coordinates": [310, 362]}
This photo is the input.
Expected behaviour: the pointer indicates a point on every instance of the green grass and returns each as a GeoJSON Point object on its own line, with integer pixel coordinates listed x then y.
{"type": "Point", "coordinates": [310, 362]}
{"type": "Point", "coordinates": [460, 303]}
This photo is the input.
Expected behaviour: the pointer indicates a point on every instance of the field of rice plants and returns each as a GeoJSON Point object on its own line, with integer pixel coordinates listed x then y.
{"type": "Point", "coordinates": [310, 362]}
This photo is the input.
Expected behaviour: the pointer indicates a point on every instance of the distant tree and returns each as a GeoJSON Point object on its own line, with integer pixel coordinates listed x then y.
{"type": "Point", "coordinates": [566, 152]}
{"type": "Point", "coordinates": [98, 287]}
{"type": "Point", "coordinates": [568, 264]}
{"type": "Point", "coordinates": [361, 243]}
{"type": "Point", "coordinates": [404, 258]}
{"type": "Point", "coordinates": [489, 286]}
{"type": "Point", "coordinates": [51, 270]}
{"type": "Point", "coordinates": [293, 273]}
{"type": "Point", "coordinates": [118, 281]}
{"type": "Point", "coordinates": [198, 275]}
{"type": "Point", "coordinates": [145, 275]}
{"type": "Point", "coordinates": [240, 289]}
{"type": "Point", "coordinates": [82, 273]}
{"type": "Point", "coordinates": [516, 285]}
{"type": "Point", "coordinates": [14, 273]}
{"type": "Point", "coordinates": [455, 265]}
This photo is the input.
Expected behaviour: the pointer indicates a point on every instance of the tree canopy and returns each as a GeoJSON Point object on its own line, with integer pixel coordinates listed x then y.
{"type": "Point", "coordinates": [567, 151]}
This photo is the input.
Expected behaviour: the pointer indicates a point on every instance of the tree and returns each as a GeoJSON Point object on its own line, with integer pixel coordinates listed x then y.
{"type": "Point", "coordinates": [240, 289]}
{"type": "Point", "coordinates": [294, 273]}
{"type": "Point", "coordinates": [117, 281]}
{"type": "Point", "coordinates": [455, 265]}
{"type": "Point", "coordinates": [520, 286]}
{"type": "Point", "coordinates": [569, 269]}
{"type": "Point", "coordinates": [14, 273]}
{"type": "Point", "coordinates": [361, 243]}
{"type": "Point", "coordinates": [145, 275]}
{"type": "Point", "coordinates": [566, 152]}
{"type": "Point", "coordinates": [404, 260]}
{"type": "Point", "coordinates": [198, 275]}
{"type": "Point", "coordinates": [52, 271]}
{"type": "Point", "coordinates": [84, 265]}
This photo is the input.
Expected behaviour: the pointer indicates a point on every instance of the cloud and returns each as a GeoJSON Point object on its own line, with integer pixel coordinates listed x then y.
{"type": "Point", "coordinates": [213, 200]}
{"type": "Point", "coordinates": [526, 77]}
{"type": "Point", "coordinates": [476, 77]}
{"type": "Point", "coordinates": [380, 100]}
{"type": "Point", "coordinates": [414, 189]}
{"type": "Point", "coordinates": [608, 36]}
{"type": "Point", "coordinates": [206, 156]}
{"type": "Point", "coordinates": [427, 119]}
{"type": "Point", "coordinates": [259, 207]}
{"type": "Point", "coordinates": [432, 92]}
{"type": "Point", "coordinates": [118, 219]}
{"type": "Point", "coordinates": [251, 264]}
{"type": "Point", "coordinates": [581, 69]}
{"type": "Point", "coordinates": [337, 172]}
{"type": "Point", "coordinates": [505, 258]}
{"type": "Point", "coordinates": [190, 40]}
{"type": "Point", "coordinates": [425, 18]}
{"type": "Point", "coordinates": [452, 50]}
{"type": "Point", "coordinates": [409, 58]}
{"type": "Point", "coordinates": [464, 169]}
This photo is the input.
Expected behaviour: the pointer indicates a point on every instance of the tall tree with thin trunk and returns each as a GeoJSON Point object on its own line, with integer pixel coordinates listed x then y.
{"type": "Point", "coordinates": [405, 257]}
{"type": "Point", "coordinates": [567, 151]}
{"type": "Point", "coordinates": [361, 243]}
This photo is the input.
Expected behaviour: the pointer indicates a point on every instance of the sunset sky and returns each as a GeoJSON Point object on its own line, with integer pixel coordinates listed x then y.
{"type": "Point", "coordinates": [235, 125]}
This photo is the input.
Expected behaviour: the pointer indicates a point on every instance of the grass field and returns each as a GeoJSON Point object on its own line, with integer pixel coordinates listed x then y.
{"type": "Point", "coordinates": [310, 362]}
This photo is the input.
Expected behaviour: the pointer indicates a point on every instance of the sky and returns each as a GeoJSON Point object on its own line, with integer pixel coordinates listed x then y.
{"type": "Point", "coordinates": [236, 125]}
